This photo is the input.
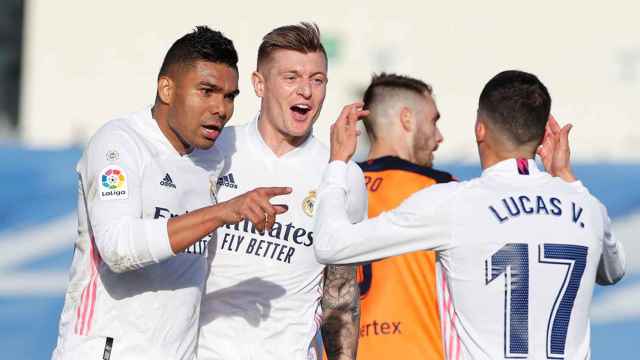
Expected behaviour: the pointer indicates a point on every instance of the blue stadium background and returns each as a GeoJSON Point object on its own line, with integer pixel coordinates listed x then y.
{"type": "Point", "coordinates": [37, 229]}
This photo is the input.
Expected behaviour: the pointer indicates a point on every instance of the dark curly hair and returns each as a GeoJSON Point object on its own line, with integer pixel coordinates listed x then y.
{"type": "Point", "coordinates": [200, 44]}
{"type": "Point", "coordinates": [518, 104]}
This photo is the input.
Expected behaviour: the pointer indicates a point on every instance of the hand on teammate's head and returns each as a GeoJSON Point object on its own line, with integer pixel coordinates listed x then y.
{"type": "Point", "coordinates": [344, 132]}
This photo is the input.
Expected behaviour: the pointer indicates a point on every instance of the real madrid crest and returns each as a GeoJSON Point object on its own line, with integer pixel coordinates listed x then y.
{"type": "Point", "coordinates": [309, 203]}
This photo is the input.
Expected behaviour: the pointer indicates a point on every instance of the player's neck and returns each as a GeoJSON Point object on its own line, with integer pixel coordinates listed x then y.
{"type": "Point", "coordinates": [491, 158]}
{"type": "Point", "coordinates": [159, 114]}
{"type": "Point", "coordinates": [277, 141]}
{"type": "Point", "coordinates": [381, 149]}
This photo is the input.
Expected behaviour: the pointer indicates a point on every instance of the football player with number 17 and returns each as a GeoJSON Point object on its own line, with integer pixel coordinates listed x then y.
{"type": "Point", "coordinates": [521, 248]}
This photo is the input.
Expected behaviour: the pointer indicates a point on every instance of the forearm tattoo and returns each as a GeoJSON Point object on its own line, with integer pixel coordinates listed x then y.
{"type": "Point", "coordinates": [341, 310]}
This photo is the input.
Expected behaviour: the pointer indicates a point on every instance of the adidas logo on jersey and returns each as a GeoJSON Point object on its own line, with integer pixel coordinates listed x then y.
{"type": "Point", "coordinates": [166, 181]}
{"type": "Point", "coordinates": [228, 181]}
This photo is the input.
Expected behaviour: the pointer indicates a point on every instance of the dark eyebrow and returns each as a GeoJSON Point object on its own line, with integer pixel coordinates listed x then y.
{"type": "Point", "coordinates": [218, 89]}
{"type": "Point", "coordinates": [213, 87]}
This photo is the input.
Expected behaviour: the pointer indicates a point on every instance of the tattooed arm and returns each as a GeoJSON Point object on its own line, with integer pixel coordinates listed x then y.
{"type": "Point", "coordinates": [341, 312]}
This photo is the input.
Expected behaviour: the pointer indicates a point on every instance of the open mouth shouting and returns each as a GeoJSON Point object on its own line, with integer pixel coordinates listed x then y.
{"type": "Point", "coordinates": [300, 111]}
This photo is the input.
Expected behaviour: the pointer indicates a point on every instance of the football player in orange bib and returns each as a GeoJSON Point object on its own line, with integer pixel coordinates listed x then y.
{"type": "Point", "coordinates": [399, 307]}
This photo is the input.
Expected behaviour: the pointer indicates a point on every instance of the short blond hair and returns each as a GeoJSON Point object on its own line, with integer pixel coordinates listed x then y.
{"type": "Point", "coordinates": [303, 37]}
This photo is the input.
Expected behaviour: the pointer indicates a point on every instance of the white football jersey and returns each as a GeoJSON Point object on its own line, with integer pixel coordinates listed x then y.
{"type": "Point", "coordinates": [129, 296]}
{"type": "Point", "coordinates": [263, 291]}
{"type": "Point", "coordinates": [520, 250]}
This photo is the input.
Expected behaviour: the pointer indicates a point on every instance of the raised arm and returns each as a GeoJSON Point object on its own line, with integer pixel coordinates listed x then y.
{"type": "Point", "coordinates": [184, 230]}
{"type": "Point", "coordinates": [555, 154]}
{"type": "Point", "coordinates": [420, 222]}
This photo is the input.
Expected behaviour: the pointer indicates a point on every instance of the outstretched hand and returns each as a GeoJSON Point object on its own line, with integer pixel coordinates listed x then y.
{"type": "Point", "coordinates": [255, 206]}
{"type": "Point", "coordinates": [344, 132]}
{"type": "Point", "coordinates": [555, 152]}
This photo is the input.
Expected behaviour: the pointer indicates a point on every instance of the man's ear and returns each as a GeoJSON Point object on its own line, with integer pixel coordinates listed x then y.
{"type": "Point", "coordinates": [258, 83]}
{"type": "Point", "coordinates": [481, 130]}
{"type": "Point", "coordinates": [166, 89]}
{"type": "Point", "coordinates": [406, 119]}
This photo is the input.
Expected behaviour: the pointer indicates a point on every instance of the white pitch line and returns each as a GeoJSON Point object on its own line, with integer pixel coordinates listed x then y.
{"type": "Point", "coordinates": [619, 305]}
{"type": "Point", "coordinates": [42, 283]}
{"type": "Point", "coordinates": [18, 247]}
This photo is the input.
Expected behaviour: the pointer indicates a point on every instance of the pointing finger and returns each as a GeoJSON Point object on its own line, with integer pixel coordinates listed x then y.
{"type": "Point", "coordinates": [275, 191]}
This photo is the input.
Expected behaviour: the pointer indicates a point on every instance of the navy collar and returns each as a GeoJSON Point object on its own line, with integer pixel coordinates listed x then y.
{"type": "Point", "coordinates": [396, 163]}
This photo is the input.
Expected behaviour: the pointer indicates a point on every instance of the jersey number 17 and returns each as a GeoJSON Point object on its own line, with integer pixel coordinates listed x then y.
{"type": "Point", "coordinates": [513, 260]}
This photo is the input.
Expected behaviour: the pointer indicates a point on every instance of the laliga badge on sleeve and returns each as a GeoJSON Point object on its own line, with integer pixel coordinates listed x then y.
{"type": "Point", "coordinates": [113, 183]}
{"type": "Point", "coordinates": [309, 204]}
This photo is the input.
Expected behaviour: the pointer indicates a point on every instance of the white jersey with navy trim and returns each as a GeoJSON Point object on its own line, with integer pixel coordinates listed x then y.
{"type": "Point", "coordinates": [129, 296]}
{"type": "Point", "coordinates": [520, 249]}
{"type": "Point", "coordinates": [263, 291]}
